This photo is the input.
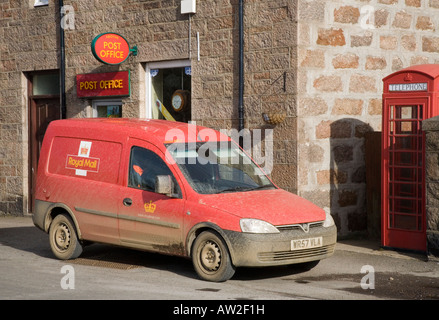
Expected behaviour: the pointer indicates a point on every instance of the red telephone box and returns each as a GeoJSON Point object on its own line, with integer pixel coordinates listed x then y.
{"type": "Point", "coordinates": [410, 96]}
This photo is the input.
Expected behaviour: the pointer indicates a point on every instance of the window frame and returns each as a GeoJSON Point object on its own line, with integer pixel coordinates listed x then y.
{"type": "Point", "coordinates": [105, 102]}
{"type": "Point", "coordinates": [177, 188]}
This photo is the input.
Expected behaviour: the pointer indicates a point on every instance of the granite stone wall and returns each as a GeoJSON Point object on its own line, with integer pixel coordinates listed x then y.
{"type": "Point", "coordinates": [28, 42]}
{"type": "Point", "coordinates": [431, 129]}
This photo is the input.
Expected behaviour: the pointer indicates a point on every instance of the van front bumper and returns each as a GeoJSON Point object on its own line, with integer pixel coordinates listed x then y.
{"type": "Point", "coordinates": [257, 250]}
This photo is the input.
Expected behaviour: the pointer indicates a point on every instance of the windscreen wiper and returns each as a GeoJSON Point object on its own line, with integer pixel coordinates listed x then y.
{"type": "Point", "coordinates": [234, 189]}
{"type": "Point", "coordinates": [242, 188]}
{"type": "Point", "coordinates": [268, 186]}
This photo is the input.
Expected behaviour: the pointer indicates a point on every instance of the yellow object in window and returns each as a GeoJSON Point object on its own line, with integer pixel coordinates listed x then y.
{"type": "Point", "coordinates": [164, 111]}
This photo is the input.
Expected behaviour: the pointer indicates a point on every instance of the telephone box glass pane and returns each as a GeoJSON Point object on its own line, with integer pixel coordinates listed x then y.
{"type": "Point", "coordinates": [405, 222]}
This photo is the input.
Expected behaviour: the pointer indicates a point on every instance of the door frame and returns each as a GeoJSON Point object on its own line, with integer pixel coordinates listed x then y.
{"type": "Point", "coordinates": [33, 153]}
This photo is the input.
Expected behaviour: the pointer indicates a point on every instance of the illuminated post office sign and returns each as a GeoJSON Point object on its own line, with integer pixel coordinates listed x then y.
{"type": "Point", "coordinates": [107, 84]}
{"type": "Point", "coordinates": [111, 48]}
{"type": "Point", "coordinates": [405, 87]}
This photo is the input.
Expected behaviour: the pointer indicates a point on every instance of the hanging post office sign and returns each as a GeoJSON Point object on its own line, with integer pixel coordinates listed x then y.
{"type": "Point", "coordinates": [111, 48]}
{"type": "Point", "coordinates": [108, 84]}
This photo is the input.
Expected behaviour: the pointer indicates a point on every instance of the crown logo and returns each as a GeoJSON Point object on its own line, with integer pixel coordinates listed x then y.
{"type": "Point", "coordinates": [149, 207]}
{"type": "Point", "coordinates": [408, 77]}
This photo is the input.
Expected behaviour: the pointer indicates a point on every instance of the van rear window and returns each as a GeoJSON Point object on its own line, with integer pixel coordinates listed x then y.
{"type": "Point", "coordinates": [89, 159]}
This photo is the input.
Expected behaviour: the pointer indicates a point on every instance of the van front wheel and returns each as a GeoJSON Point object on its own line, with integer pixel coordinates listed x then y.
{"type": "Point", "coordinates": [63, 238]}
{"type": "Point", "coordinates": [211, 258]}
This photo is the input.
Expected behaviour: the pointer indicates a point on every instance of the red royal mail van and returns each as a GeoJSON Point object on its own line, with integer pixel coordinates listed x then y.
{"type": "Point", "coordinates": [173, 188]}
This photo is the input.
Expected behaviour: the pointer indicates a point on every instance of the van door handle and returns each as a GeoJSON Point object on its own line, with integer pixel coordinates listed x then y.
{"type": "Point", "coordinates": [127, 202]}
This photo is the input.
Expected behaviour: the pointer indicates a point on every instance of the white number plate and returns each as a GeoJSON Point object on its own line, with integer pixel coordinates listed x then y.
{"type": "Point", "coordinates": [306, 243]}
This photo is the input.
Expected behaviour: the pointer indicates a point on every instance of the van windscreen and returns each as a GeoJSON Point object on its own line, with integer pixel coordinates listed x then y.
{"type": "Point", "coordinates": [218, 167]}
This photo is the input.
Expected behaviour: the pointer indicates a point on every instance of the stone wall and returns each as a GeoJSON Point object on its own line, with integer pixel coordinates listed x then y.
{"type": "Point", "coordinates": [431, 128]}
{"type": "Point", "coordinates": [28, 42]}
{"type": "Point", "coordinates": [345, 49]}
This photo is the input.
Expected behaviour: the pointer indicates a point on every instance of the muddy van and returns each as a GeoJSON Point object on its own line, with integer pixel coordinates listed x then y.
{"type": "Point", "coordinates": [172, 188]}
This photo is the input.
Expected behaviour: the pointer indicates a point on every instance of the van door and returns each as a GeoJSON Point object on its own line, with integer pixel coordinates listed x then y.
{"type": "Point", "coordinates": [147, 219]}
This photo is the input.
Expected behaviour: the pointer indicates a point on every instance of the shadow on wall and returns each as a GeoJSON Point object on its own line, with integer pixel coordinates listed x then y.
{"type": "Point", "coordinates": [355, 156]}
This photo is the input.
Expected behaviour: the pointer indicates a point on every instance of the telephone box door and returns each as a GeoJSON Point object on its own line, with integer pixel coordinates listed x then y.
{"type": "Point", "coordinates": [403, 173]}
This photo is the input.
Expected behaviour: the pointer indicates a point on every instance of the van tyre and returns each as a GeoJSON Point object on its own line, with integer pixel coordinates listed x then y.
{"type": "Point", "coordinates": [211, 258]}
{"type": "Point", "coordinates": [63, 238]}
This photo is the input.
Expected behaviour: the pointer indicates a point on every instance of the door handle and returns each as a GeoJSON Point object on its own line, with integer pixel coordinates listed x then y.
{"type": "Point", "coordinates": [127, 202]}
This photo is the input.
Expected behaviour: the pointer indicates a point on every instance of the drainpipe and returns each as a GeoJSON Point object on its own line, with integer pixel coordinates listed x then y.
{"type": "Point", "coordinates": [62, 64]}
{"type": "Point", "coordinates": [241, 70]}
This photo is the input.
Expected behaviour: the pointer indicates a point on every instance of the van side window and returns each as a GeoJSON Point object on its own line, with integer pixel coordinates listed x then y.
{"type": "Point", "coordinates": [145, 166]}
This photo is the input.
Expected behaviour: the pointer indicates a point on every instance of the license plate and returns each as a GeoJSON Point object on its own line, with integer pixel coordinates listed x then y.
{"type": "Point", "coordinates": [306, 243]}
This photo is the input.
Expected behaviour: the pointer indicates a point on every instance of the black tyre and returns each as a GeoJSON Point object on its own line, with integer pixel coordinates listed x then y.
{"type": "Point", "coordinates": [63, 238]}
{"type": "Point", "coordinates": [211, 258]}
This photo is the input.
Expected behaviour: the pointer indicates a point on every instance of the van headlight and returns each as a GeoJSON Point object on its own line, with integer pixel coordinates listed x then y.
{"type": "Point", "coordinates": [257, 226]}
{"type": "Point", "coordinates": [329, 221]}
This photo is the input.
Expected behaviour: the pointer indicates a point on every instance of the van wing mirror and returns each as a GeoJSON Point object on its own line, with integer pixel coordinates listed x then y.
{"type": "Point", "coordinates": [164, 185]}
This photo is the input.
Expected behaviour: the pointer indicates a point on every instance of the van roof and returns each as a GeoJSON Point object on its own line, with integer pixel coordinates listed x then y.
{"type": "Point", "coordinates": [162, 131]}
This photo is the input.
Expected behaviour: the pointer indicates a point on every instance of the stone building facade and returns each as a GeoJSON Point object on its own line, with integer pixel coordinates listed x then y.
{"type": "Point", "coordinates": [206, 41]}
{"type": "Point", "coordinates": [318, 64]}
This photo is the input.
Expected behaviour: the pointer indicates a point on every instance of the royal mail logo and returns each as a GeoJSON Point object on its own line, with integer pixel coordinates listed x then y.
{"type": "Point", "coordinates": [82, 163]}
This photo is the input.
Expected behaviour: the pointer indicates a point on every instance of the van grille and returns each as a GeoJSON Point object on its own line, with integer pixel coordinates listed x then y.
{"type": "Point", "coordinates": [296, 254]}
{"type": "Point", "coordinates": [303, 226]}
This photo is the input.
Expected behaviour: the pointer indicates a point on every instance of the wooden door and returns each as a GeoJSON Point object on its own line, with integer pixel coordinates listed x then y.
{"type": "Point", "coordinates": [42, 111]}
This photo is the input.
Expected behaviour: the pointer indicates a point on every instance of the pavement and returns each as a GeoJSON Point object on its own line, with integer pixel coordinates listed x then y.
{"type": "Point", "coordinates": [397, 274]}
{"type": "Point", "coordinates": [367, 246]}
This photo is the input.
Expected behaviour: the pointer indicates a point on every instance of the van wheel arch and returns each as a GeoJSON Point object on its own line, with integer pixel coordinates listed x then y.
{"type": "Point", "coordinates": [200, 228]}
{"type": "Point", "coordinates": [57, 209]}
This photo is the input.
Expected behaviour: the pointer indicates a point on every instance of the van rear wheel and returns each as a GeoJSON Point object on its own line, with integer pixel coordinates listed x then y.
{"type": "Point", "coordinates": [63, 239]}
{"type": "Point", "coordinates": [211, 258]}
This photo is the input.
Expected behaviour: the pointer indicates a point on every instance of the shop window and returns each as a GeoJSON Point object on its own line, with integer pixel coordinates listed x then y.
{"type": "Point", "coordinates": [107, 109]}
{"type": "Point", "coordinates": [169, 91]}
